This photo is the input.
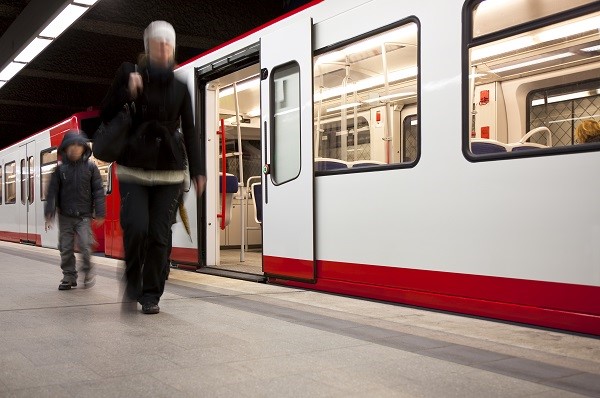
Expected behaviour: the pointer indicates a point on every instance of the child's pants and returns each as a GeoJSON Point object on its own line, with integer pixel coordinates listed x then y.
{"type": "Point", "coordinates": [69, 227]}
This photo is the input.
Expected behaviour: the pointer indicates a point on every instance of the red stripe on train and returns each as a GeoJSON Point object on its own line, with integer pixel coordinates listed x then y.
{"type": "Point", "coordinates": [298, 269]}
{"type": "Point", "coordinates": [550, 304]}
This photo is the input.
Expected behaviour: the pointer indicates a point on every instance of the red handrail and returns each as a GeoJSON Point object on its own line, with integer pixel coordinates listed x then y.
{"type": "Point", "coordinates": [221, 215]}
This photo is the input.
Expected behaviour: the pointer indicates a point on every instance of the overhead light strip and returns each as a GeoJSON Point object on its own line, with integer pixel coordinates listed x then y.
{"type": "Point", "coordinates": [58, 25]}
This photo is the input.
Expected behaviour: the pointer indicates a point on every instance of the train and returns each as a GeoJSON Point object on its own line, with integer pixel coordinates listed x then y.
{"type": "Point", "coordinates": [420, 153]}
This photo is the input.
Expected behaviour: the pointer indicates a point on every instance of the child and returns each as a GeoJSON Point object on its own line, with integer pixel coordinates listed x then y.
{"type": "Point", "coordinates": [76, 191]}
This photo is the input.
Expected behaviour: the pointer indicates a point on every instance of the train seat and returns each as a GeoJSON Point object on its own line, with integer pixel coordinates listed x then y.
{"type": "Point", "coordinates": [366, 163]}
{"type": "Point", "coordinates": [256, 190]}
{"type": "Point", "coordinates": [326, 164]}
{"type": "Point", "coordinates": [481, 146]}
{"type": "Point", "coordinates": [526, 146]}
{"type": "Point", "coordinates": [231, 187]}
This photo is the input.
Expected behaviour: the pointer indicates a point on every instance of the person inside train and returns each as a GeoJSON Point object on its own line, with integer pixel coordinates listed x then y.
{"type": "Point", "coordinates": [151, 168]}
{"type": "Point", "coordinates": [587, 131]}
{"type": "Point", "coordinates": [76, 193]}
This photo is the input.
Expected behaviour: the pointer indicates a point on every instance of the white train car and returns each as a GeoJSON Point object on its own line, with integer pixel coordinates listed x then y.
{"type": "Point", "coordinates": [396, 155]}
{"type": "Point", "coordinates": [422, 153]}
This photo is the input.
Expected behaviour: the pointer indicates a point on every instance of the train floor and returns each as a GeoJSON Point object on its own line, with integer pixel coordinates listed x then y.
{"type": "Point", "coordinates": [223, 337]}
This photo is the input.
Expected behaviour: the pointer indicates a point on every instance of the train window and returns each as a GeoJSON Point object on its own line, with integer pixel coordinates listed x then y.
{"type": "Point", "coordinates": [1, 184]}
{"type": "Point", "coordinates": [10, 183]}
{"type": "Point", "coordinates": [48, 162]}
{"type": "Point", "coordinates": [363, 89]}
{"type": "Point", "coordinates": [530, 86]}
{"type": "Point", "coordinates": [285, 155]}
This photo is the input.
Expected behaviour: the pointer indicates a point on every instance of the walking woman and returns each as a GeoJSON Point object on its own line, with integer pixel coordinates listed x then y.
{"type": "Point", "coordinates": [151, 168]}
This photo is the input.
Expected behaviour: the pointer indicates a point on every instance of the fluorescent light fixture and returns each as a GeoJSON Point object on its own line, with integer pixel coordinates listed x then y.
{"type": "Point", "coordinates": [85, 2]}
{"type": "Point", "coordinates": [591, 49]}
{"type": "Point", "coordinates": [244, 85]}
{"type": "Point", "coordinates": [565, 97]}
{"type": "Point", "coordinates": [345, 106]}
{"type": "Point", "coordinates": [390, 96]}
{"type": "Point", "coordinates": [532, 62]}
{"type": "Point", "coordinates": [2, 83]}
{"type": "Point", "coordinates": [11, 69]}
{"type": "Point", "coordinates": [367, 83]}
{"type": "Point", "coordinates": [69, 15]}
{"type": "Point", "coordinates": [559, 32]}
{"type": "Point", "coordinates": [33, 49]}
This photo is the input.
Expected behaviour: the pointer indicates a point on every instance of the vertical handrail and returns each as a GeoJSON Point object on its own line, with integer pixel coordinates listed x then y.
{"type": "Point", "coordinates": [223, 175]}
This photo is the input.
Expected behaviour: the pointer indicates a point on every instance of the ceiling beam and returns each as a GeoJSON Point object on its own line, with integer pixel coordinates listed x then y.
{"type": "Point", "coordinates": [30, 22]}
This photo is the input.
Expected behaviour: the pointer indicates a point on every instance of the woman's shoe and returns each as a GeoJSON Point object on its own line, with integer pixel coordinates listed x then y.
{"type": "Point", "coordinates": [149, 308]}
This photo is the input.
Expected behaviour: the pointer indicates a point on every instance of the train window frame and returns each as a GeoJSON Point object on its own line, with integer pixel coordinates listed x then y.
{"type": "Point", "coordinates": [276, 160]}
{"type": "Point", "coordinates": [470, 41]}
{"type": "Point", "coordinates": [14, 183]}
{"type": "Point", "coordinates": [356, 40]}
{"type": "Point", "coordinates": [44, 189]}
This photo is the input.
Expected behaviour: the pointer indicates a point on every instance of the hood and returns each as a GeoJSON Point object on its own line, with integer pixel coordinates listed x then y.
{"type": "Point", "coordinates": [75, 137]}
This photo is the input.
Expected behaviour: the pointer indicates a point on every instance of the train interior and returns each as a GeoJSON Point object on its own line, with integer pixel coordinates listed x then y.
{"type": "Point", "coordinates": [239, 156]}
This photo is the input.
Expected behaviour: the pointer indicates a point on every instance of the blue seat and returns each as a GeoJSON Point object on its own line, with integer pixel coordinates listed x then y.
{"type": "Point", "coordinates": [487, 146]}
{"type": "Point", "coordinates": [231, 187]}
{"type": "Point", "coordinates": [325, 164]}
{"type": "Point", "coordinates": [256, 189]}
{"type": "Point", "coordinates": [366, 163]}
{"type": "Point", "coordinates": [525, 147]}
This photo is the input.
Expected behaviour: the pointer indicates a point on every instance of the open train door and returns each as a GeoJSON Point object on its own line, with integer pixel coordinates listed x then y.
{"type": "Point", "coordinates": [287, 184]}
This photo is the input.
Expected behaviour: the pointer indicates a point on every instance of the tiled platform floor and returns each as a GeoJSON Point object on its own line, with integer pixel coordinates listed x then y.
{"type": "Point", "coordinates": [220, 337]}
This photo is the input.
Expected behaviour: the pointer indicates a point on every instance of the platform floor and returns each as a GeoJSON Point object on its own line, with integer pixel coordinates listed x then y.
{"type": "Point", "coordinates": [221, 337]}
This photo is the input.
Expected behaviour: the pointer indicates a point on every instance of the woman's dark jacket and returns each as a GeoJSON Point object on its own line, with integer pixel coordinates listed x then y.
{"type": "Point", "coordinates": [156, 112]}
{"type": "Point", "coordinates": [75, 187]}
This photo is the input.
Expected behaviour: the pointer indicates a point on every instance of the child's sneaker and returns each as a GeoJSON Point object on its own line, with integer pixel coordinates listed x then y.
{"type": "Point", "coordinates": [67, 284]}
{"type": "Point", "coordinates": [89, 281]}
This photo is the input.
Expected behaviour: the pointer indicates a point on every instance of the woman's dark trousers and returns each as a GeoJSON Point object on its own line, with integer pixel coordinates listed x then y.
{"type": "Point", "coordinates": [146, 219]}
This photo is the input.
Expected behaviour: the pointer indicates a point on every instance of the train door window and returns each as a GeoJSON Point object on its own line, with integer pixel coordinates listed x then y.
{"type": "Point", "coordinates": [532, 77]}
{"type": "Point", "coordinates": [30, 179]}
{"type": "Point", "coordinates": [10, 182]}
{"type": "Point", "coordinates": [24, 175]}
{"type": "Point", "coordinates": [410, 138]}
{"type": "Point", "coordinates": [48, 162]}
{"type": "Point", "coordinates": [361, 88]}
{"type": "Point", "coordinates": [285, 86]}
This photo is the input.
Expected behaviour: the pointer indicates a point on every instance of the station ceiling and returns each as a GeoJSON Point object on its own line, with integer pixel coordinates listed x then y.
{"type": "Point", "coordinates": [75, 71]}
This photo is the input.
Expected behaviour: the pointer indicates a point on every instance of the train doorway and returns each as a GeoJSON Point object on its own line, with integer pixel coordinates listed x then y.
{"type": "Point", "coordinates": [25, 201]}
{"type": "Point", "coordinates": [229, 102]}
